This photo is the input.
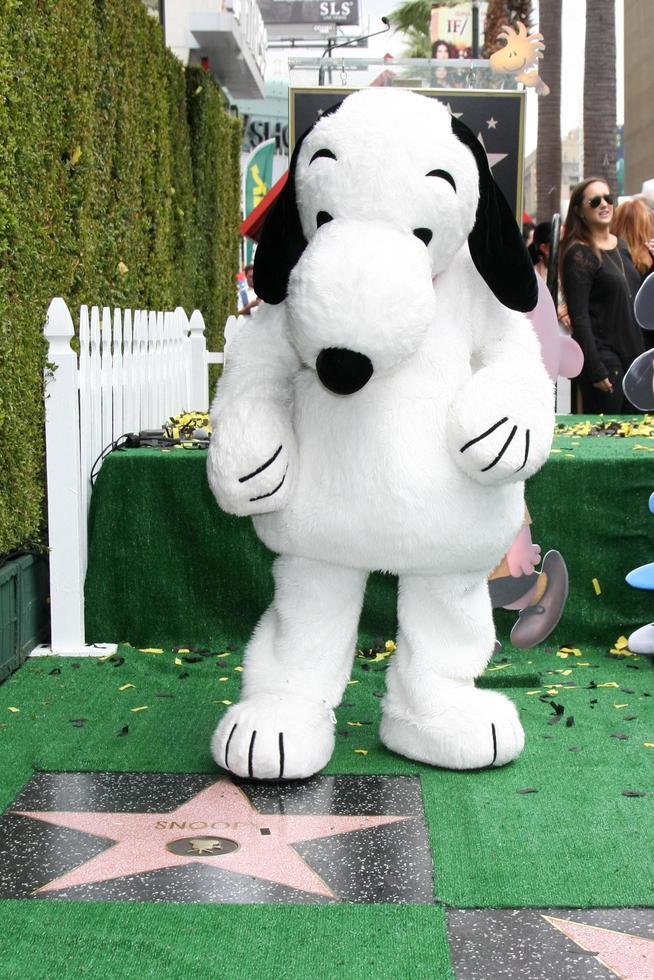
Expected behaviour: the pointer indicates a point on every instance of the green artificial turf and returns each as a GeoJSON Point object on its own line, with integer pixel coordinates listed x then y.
{"type": "Point", "coordinates": [577, 841]}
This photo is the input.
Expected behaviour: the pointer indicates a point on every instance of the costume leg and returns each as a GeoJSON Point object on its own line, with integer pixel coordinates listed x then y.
{"type": "Point", "coordinates": [295, 671]}
{"type": "Point", "coordinates": [432, 712]}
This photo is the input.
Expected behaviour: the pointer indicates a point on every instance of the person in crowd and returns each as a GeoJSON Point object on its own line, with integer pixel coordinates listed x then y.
{"type": "Point", "coordinates": [248, 301]}
{"type": "Point", "coordinates": [633, 222]}
{"type": "Point", "coordinates": [528, 229]}
{"type": "Point", "coordinates": [600, 283]}
{"type": "Point", "coordinates": [540, 256]}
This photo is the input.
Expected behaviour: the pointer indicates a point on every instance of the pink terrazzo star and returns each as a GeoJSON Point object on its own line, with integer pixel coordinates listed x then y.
{"type": "Point", "coordinates": [629, 957]}
{"type": "Point", "coordinates": [222, 810]}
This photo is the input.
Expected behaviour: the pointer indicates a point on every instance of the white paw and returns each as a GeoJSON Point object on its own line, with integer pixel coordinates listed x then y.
{"type": "Point", "coordinates": [468, 729]}
{"type": "Point", "coordinates": [270, 737]}
{"type": "Point", "coordinates": [498, 432]}
{"type": "Point", "coordinates": [251, 458]}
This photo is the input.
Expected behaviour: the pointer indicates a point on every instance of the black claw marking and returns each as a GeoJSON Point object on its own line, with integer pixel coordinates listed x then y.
{"type": "Point", "coordinates": [524, 462]}
{"type": "Point", "coordinates": [502, 450]}
{"type": "Point", "coordinates": [250, 773]}
{"type": "Point", "coordinates": [281, 755]}
{"type": "Point", "coordinates": [494, 744]}
{"type": "Point", "coordinates": [227, 746]}
{"type": "Point", "coordinates": [272, 492]}
{"type": "Point", "coordinates": [484, 434]}
{"type": "Point", "coordinates": [264, 466]}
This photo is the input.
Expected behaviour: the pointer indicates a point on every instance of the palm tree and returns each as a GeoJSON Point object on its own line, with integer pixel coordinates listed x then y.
{"type": "Point", "coordinates": [600, 91]}
{"type": "Point", "coordinates": [413, 19]}
{"type": "Point", "coordinates": [548, 152]}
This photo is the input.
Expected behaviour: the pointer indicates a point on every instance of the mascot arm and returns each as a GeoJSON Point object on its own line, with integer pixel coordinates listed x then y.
{"type": "Point", "coordinates": [501, 420]}
{"type": "Point", "coordinates": [252, 454]}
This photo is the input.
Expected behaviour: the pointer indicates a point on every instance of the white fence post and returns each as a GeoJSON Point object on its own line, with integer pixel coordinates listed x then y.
{"type": "Point", "coordinates": [199, 393]}
{"type": "Point", "coordinates": [66, 519]}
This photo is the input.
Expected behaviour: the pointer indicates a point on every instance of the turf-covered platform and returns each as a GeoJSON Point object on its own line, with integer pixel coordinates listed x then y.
{"type": "Point", "coordinates": [100, 756]}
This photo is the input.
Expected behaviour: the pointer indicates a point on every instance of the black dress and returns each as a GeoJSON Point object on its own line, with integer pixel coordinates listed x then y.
{"type": "Point", "coordinates": [600, 297]}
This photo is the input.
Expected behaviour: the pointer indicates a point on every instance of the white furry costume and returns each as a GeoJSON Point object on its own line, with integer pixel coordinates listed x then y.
{"type": "Point", "coordinates": [381, 413]}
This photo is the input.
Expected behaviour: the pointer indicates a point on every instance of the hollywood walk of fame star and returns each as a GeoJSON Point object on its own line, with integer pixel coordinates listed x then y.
{"type": "Point", "coordinates": [493, 158]}
{"type": "Point", "coordinates": [491, 123]}
{"type": "Point", "coordinates": [264, 840]}
{"type": "Point", "coordinates": [623, 954]}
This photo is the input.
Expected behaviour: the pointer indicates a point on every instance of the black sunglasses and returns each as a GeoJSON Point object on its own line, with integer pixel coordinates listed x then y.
{"type": "Point", "coordinates": [596, 201]}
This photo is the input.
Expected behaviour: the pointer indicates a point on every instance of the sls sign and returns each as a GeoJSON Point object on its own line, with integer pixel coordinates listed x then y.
{"type": "Point", "coordinates": [309, 11]}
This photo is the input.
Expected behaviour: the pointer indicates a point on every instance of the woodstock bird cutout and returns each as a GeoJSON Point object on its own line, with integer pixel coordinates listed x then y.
{"type": "Point", "coordinates": [519, 57]}
{"type": "Point", "coordinates": [382, 413]}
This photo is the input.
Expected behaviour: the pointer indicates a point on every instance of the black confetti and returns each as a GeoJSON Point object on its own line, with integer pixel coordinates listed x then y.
{"type": "Point", "coordinates": [165, 694]}
{"type": "Point", "coordinates": [55, 670]}
{"type": "Point", "coordinates": [124, 731]}
{"type": "Point", "coordinates": [620, 736]}
{"type": "Point", "coordinates": [183, 676]}
{"type": "Point", "coordinates": [75, 666]}
{"type": "Point", "coordinates": [574, 748]}
{"type": "Point", "coordinates": [569, 722]}
{"type": "Point", "coordinates": [232, 647]}
{"type": "Point", "coordinates": [631, 792]}
{"type": "Point", "coordinates": [365, 666]}
{"type": "Point", "coordinates": [378, 694]}
{"type": "Point", "coordinates": [78, 722]}
{"type": "Point", "coordinates": [627, 690]}
{"type": "Point", "coordinates": [117, 661]}
{"type": "Point", "coordinates": [630, 717]}
{"type": "Point", "coordinates": [529, 789]}
{"type": "Point", "coordinates": [192, 660]}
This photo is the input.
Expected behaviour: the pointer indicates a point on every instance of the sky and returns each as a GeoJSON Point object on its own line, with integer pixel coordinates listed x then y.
{"type": "Point", "coordinates": [572, 80]}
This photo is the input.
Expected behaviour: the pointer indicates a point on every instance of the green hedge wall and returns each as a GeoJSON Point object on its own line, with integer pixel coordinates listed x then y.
{"type": "Point", "coordinates": [119, 185]}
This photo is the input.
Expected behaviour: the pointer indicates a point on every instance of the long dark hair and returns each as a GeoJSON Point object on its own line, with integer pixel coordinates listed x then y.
{"type": "Point", "coordinates": [575, 229]}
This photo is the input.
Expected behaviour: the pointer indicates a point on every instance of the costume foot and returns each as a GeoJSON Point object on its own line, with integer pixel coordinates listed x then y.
{"type": "Point", "coordinates": [468, 729]}
{"type": "Point", "coordinates": [270, 737]}
{"type": "Point", "coordinates": [536, 622]}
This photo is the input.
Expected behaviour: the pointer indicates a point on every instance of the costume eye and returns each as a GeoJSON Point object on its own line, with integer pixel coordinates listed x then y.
{"type": "Point", "coordinates": [322, 153]}
{"type": "Point", "coordinates": [443, 174]}
{"type": "Point", "coordinates": [322, 218]}
{"type": "Point", "coordinates": [424, 234]}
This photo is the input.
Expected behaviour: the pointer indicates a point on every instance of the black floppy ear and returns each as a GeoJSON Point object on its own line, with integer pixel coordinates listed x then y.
{"type": "Point", "coordinates": [496, 244]}
{"type": "Point", "coordinates": [282, 239]}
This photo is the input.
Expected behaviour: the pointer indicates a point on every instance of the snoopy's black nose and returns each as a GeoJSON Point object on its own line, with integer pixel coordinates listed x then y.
{"type": "Point", "coordinates": [343, 371]}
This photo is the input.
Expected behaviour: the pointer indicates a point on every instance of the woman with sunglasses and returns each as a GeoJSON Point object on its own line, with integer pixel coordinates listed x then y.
{"type": "Point", "coordinates": [600, 284]}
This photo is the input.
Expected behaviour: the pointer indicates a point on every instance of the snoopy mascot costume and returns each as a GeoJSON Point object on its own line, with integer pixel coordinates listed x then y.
{"type": "Point", "coordinates": [381, 412]}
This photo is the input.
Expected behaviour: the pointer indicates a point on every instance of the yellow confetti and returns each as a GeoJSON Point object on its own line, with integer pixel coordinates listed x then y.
{"type": "Point", "coordinates": [150, 650]}
{"type": "Point", "coordinates": [585, 664]}
{"type": "Point", "coordinates": [14, 711]}
{"type": "Point", "coordinates": [529, 693]}
{"type": "Point", "coordinates": [569, 456]}
{"type": "Point", "coordinates": [349, 683]}
{"type": "Point", "coordinates": [620, 705]}
{"type": "Point", "coordinates": [221, 702]}
{"type": "Point", "coordinates": [125, 687]}
{"type": "Point", "coordinates": [597, 587]}
{"type": "Point", "coordinates": [355, 724]}
{"type": "Point", "coordinates": [122, 269]}
{"type": "Point", "coordinates": [552, 692]}
{"type": "Point", "coordinates": [649, 449]}
{"type": "Point", "coordinates": [183, 650]}
{"type": "Point", "coordinates": [223, 679]}
{"type": "Point", "coordinates": [239, 669]}
{"type": "Point", "coordinates": [564, 673]}
{"type": "Point", "coordinates": [390, 646]}
{"type": "Point", "coordinates": [566, 652]}
{"type": "Point", "coordinates": [609, 684]}
{"type": "Point", "coordinates": [649, 745]}
{"type": "Point", "coordinates": [75, 156]}
{"type": "Point", "coordinates": [178, 662]}
{"type": "Point", "coordinates": [143, 707]}
{"type": "Point", "coordinates": [361, 751]}
{"type": "Point", "coordinates": [498, 667]}
{"type": "Point", "coordinates": [556, 450]}
{"type": "Point", "coordinates": [101, 660]}
{"type": "Point", "coordinates": [621, 643]}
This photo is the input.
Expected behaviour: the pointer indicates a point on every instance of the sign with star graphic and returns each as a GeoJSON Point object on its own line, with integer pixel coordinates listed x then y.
{"type": "Point", "coordinates": [150, 837]}
{"type": "Point", "coordinates": [496, 118]}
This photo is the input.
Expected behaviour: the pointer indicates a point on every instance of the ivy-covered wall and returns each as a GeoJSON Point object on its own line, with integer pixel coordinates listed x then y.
{"type": "Point", "coordinates": [119, 185]}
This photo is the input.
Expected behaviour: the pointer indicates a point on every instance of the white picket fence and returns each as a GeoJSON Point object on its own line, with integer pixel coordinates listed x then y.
{"type": "Point", "coordinates": [135, 369]}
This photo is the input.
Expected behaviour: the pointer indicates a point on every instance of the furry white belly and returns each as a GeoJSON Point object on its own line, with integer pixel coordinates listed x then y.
{"type": "Point", "coordinates": [371, 491]}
